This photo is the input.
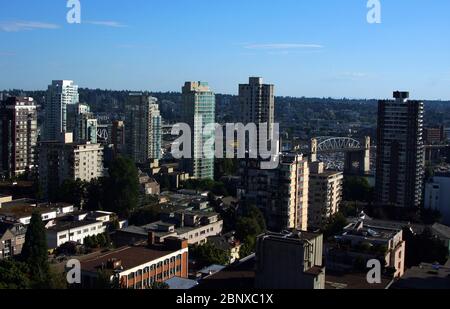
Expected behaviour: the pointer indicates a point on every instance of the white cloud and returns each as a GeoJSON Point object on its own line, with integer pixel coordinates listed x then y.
{"type": "Point", "coordinates": [278, 46]}
{"type": "Point", "coordinates": [354, 74]}
{"type": "Point", "coordinates": [106, 23]}
{"type": "Point", "coordinates": [16, 26]}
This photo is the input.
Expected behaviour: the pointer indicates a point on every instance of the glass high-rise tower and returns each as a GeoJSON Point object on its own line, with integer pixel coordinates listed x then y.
{"type": "Point", "coordinates": [60, 94]}
{"type": "Point", "coordinates": [199, 110]}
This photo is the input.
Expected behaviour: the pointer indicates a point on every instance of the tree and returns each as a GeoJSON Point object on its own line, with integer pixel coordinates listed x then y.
{"type": "Point", "coordinates": [210, 254]}
{"type": "Point", "coordinates": [160, 286]}
{"type": "Point", "coordinates": [250, 224]}
{"type": "Point", "coordinates": [94, 195]}
{"type": "Point", "coordinates": [357, 189]}
{"type": "Point", "coordinates": [122, 187]}
{"type": "Point", "coordinates": [334, 225]}
{"type": "Point", "coordinates": [216, 187]}
{"type": "Point", "coordinates": [104, 282]}
{"type": "Point", "coordinates": [72, 191]}
{"type": "Point", "coordinates": [14, 275]}
{"type": "Point", "coordinates": [35, 252]}
{"type": "Point", "coordinates": [145, 215]}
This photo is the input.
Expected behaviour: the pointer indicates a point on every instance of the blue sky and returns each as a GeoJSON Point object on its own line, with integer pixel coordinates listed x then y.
{"type": "Point", "coordinates": [305, 47]}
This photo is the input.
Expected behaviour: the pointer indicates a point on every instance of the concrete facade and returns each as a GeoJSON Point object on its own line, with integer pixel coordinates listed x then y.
{"type": "Point", "coordinates": [290, 261]}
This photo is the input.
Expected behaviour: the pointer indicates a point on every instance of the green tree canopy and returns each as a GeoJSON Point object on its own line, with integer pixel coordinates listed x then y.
{"type": "Point", "coordinates": [210, 254]}
{"type": "Point", "coordinates": [121, 187]}
{"type": "Point", "coordinates": [14, 275]}
{"type": "Point", "coordinates": [334, 225]}
{"type": "Point", "coordinates": [357, 189]}
{"type": "Point", "coordinates": [35, 252]}
{"type": "Point", "coordinates": [249, 225]}
{"type": "Point", "coordinates": [72, 191]}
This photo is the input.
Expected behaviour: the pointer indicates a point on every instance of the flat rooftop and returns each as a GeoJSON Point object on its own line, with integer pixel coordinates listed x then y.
{"type": "Point", "coordinates": [238, 276]}
{"type": "Point", "coordinates": [425, 276]}
{"type": "Point", "coordinates": [292, 236]}
{"type": "Point", "coordinates": [352, 281]}
{"type": "Point", "coordinates": [129, 256]}
{"type": "Point", "coordinates": [65, 224]}
{"type": "Point", "coordinates": [362, 229]}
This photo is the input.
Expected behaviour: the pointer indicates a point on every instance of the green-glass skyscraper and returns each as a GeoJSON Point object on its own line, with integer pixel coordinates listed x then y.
{"type": "Point", "coordinates": [199, 110]}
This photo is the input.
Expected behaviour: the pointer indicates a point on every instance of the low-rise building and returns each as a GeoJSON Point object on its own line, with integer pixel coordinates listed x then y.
{"type": "Point", "coordinates": [194, 226]}
{"type": "Point", "coordinates": [139, 267]}
{"type": "Point", "coordinates": [72, 229]}
{"type": "Point", "coordinates": [77, 226]}
{"type": "Point", "coordinates": [21, 210]}
{"type": "Point", "coordinates": [361, 242]}
{"type": "Point", "coordinates": [12, 239]}
{"type": "Point", "coordinates": [149, 186]}
{"type": "Point", "coordinates": [290, 261]}
{"type": "Point", "coordinates": [182, 200]}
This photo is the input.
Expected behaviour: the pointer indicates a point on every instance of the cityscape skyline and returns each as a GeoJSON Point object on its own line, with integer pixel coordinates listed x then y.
{"type": "Point", "coordinates": [228, 145]}
{"type": "Point", "coordinates": [307, 49]}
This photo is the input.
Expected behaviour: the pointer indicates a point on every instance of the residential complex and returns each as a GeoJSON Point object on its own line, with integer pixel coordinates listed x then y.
{"type": "Point", "coordinates": [18, 135]}
{"type": "Point", "coordinates": [400, 152]}
{"type": "Point", "coordinates": [199, 107]}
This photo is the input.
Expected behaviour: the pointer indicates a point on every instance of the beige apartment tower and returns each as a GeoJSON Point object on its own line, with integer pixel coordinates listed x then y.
{"type": "Point", "coordinates": [325, 194]}
{"type": "Point", "coordinates": [281, 194]}
{"type": "Point", "coordinates": [63, 160]}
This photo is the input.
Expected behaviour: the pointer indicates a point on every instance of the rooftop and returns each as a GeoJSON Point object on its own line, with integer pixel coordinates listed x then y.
{"type": "Point", "coordinates": [67, 224]}
{"type": "Point", "coordinates": [425, 276]}
{"type": "Point", "coordinates": [129, 257]}
{"type": "Point", "coordinates": [298, 236]}
{"type": "Point", "coordinates": [177, 283]}
{"type": "Point", "coordinates": [369, 231]}
{"type": "Point", "coordinates": [352, 281]}
{"type": "Point", "coordinates": [26, 207]}
{"type": "Point", "coordinates": [236, 276]}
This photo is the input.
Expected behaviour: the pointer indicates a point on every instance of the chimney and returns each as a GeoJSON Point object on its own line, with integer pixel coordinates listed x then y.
{"type": "Point", "coordinates": [173, 243]}
{"type": "Point", "coordinates": [151, 240]}
{"type": "Point", "coordinates": [113, 264]}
